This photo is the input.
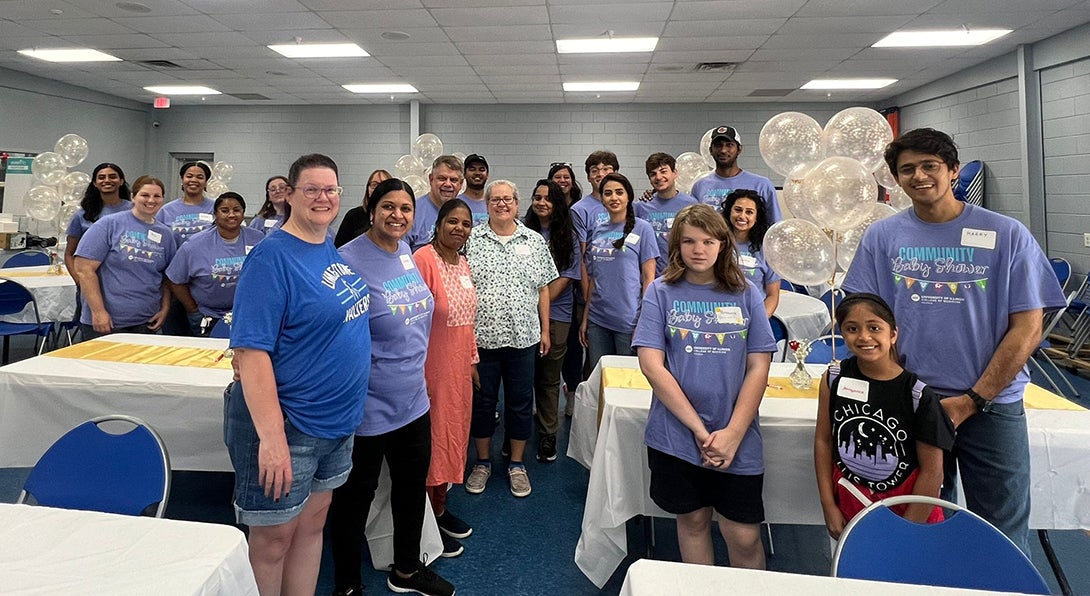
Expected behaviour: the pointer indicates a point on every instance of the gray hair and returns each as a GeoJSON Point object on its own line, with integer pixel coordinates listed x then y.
{"type": "Point", "coordinates": [450, 161]}
{"type": "Point", "coordinates": [507, 183]}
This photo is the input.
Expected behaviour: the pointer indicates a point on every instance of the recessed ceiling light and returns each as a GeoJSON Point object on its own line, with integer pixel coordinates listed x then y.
{"type": "Point", "coordinates": [134, 7]}
{"type": "Point", "coordinates": [70, 55]}
{"type": "Point", "coordinates": [604, 45]}
{"type": "Point", "coordinates": [394, 35]}
{"type": "Point", "coordinates": [319, 50]}
{"type": "Point", "coordinates": [935, 39]}
{"type": "Point", "coordinates": [182, 90]}
{"type": "Point", "coordinates": [603, 86]}
{"type": "Point", "coordinates": [381, 88]}
{"type": "Point", "coordinates": [848, 83]}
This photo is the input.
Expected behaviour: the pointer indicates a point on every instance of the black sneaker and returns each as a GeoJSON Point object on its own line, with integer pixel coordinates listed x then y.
{"type": "Point", "coordinates": [451, 546]}
{"type": "Point", "coordinates": [546, 448]}
{"type": "Point", "coordinates": [452, 526]}
{"type": "Point", "coordinates": [422, 581]}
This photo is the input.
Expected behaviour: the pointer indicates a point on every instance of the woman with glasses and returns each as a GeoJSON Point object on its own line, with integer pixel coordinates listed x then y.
{"type": "Point", "coordinates": [357, 220]}
{"type": "Point", "coordinates": [271, 214]}
{"type": "Point", "coordinates": [204, 273]}
{"type": "Point", "coordinates": [300, 319]}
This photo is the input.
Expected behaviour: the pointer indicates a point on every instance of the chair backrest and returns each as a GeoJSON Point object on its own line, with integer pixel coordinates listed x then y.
{"type": "Point", "coordinates": [27, 258]}
{"type": "Point", "coordinates": [1062, 269]}
{"type": "Point", "coordinates": [969, 186]}
{"type": "Point", "coordinates": [962, 551]}
{"type": "Point", "coordinates": [14, 297]}
{"type": "Point", "coordinates": [792, 287]}
{"type": "Point", "coordinates": [221, 330]}
{"type": "Point", "coordinates": [94, 470]}
{"type": "Point", "coordinates": [821, 349]}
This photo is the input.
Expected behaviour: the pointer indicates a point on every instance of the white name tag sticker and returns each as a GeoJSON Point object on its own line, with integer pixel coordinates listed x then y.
{"type": "Point", "coordinates": [631, 239]}
{"type": "Point", "coordinates": [747, 261]}
{"type": "Point", "coordinates": [978, 238]}
{"type": "Point", "coordinates": [729, 315]}
{"type": "Point", "coordinates": [669, 222]}
{"type": "Point", "coordinates": [522, 250]}
{"type": "Point", "coordinates": [467, 282]}
{"type": "Point", "coordinates": [155, 236]}
{"type": "Point", "coordinates": [270, 223]}
{"type": "Point", "coordinates": [856, 389]}
{"type": "Point", "coordinates": [207, 217]}
{"type": "Point", "coordinates": [407, 262]}
{"type": "Point", "coordinates": [248, 248]}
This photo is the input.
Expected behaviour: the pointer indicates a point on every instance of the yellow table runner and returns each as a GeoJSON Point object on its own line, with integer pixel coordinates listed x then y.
{"type": "Point", "coordinates": [1036, 398]}
{"type": "Point", "coordinates": [14, 274]}
{"type": "Point", "coordinates": [109, 351]}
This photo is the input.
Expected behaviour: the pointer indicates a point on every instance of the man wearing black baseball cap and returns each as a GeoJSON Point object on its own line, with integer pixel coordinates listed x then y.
{"type": "Point", "coordinates": [726, 146]}
{"type": "Point", "coordinates": [476, 174]}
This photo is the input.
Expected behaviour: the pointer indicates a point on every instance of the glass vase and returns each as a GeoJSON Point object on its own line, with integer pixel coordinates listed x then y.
{"type": "Point", "coordinates": [800, 379]}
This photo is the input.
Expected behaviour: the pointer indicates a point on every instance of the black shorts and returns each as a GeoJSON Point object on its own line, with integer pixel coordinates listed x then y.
{"type": "Point", "coordinates": [678, 487]}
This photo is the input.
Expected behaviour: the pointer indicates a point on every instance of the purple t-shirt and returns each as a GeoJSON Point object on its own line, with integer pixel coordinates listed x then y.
{"type": "Point", "coordinates": [264, 225]}
{"type": "Point", "coordinates": [586, 214]}
{"type": "Point", "coordinates": [210, 266]}
{"type": "Point", "coordinates": [660, 214]}
{"type": "Point", "coordinates": [401, 311]}
{"type": "Point", "coordinates": [78, 225]}
{"type": "Point", "coordinates": [186, 220]}
{"type": "Point", "coordinates": [952, 287]}
{"type": "Point", "coordinates": [615, 303]}
{"type": "Point", "coordinates": [479, 209]}
{"type": "Point", "coordinates": [560, 308]}
{"type": "Point", "coordinates": [132, 256]}
{"type": "Point", "coordinates": [713, 189]}
{"type": "Point", "coordinates": [423, 223]}
{"type": "Point", "coordinates": [304, 306]}
{"type": "Point", "coordinates": [754, 266]}
{"type": "Point", "coordinates": [706, 334]}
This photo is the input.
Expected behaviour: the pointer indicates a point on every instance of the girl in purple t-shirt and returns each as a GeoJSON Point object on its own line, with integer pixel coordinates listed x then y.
{"type": "Point", "coordinates": [705, 347]}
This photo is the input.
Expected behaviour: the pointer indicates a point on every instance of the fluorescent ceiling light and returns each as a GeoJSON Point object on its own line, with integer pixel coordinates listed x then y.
{"type": "Point", "coordinates": [70, 55]}
{"type": "Point", "coordinates": [606, 45]}
{"type": "Point", "coordinates": [319, 50]}
{"type": "Point", "coordinates": [936, 39]}
{"type": "Point", "coordinates": [603, 86]}
{"type": "Point", "coordinates": [382, 88]}
{"type": "Point", "coordinates": [848, 83]}
{"type": "Point", "coordinates": [182, 90]}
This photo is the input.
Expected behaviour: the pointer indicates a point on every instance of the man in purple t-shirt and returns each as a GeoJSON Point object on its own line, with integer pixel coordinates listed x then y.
{"type": "Point", "coordinates": [446, 182]}
{"type": "Point", "coordinates": [970, 287]}
{"type": "Point", "coordinates": [726, 147]}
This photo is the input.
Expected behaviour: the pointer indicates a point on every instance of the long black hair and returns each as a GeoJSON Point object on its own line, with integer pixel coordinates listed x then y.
{"type": "Point", "coordinates": [92, 203]}
{"type": "Point", "coordinates": [760, 222]}
{"type": "Point", "coordinates": [560, 225]}
{"type": "Point", "coordinates": [629, 211]}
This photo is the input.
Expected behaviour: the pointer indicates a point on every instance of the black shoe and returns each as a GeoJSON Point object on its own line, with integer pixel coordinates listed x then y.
{"type": "Point", "coordinates": [353, 591]}
{"type": "Point", "coordinates": [451, 526]}
{"type": "Point", "coordinates": [546, 448]}
{"type": "Point", "coordinates": [422, 581]}
{"type": "Point", "coordinates": [451, 546]}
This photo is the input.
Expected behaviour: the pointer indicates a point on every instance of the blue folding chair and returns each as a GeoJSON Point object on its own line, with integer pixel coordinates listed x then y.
{"type": "Point", "coordinates": [1062, 268]}
{"type": "Point", "coordinates": [791, 287]}
{"type": "Point", "coordinates": [962, 551]}
{"type": "Point", "coordinates": [92, 469]}
{"type": "Point", "coordinates": [14, 299]}
{"type": "Point", "coordinates": [779, 333]}
{"type": "Point", "coordinates": [821, 349]}
{"type": "Point", "coordinates": [221, 330]}
{"type": "Point", "coordinates": [27, 258]}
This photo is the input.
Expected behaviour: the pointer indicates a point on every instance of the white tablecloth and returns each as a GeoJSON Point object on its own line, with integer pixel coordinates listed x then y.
{"type": "Point", "coordinates": [55, 294]}
{"type": "Point", "coordinates": [58, 551]}
{"type": "Point", "coordinates": [619, 476]}
{"type": "Point", "coordinates": [42, 398]}
{"type": "Point", "coordinates": [804, 316]}
{"type": "Point", "coordinates": [661, 578]}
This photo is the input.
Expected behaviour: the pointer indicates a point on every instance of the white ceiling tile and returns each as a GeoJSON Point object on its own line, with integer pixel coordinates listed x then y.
{"type": "Point", "coordinates": [379, 19]}
{"type": "Point", "coordinates": [504, 33]}
{"type": "Point", "coordinates": [844, 24]}
{"type": "Point", "coordinates": [693, 57]}
{"type": "Point", "coordinates": [504, 60]}
{"type": "Point", "coordinates": [109, 8]}
{"type": "Point", "coordinates": [847, 8]}
{"type": "Point", "coordinates": [37, 9]}
{"type": "Point", "coordinates": [505, 47]}
{"type": "Point", "coordinates": [516, 69]}
{"type": "Point", "coordinates": [267, 37]}
{"type": "Point", "coordinates": [489, 16]}
{"type": "Point", "coordinates": [174, 24]}
{"type": "Point", "coordinates": [611, 16]}
{"type": "Point", "coordinates": [117, 42]}
{"type": "Point", "coordinates": [291, 21]}
{"type": "Point", "coordinates": [221, 39]}
{"type": "Point", "coordinates": [723, 27]}
{"type": "Point", "coordinates": [241, 6]}
{"type": "Point", "coordinates": [327, 5]}
{"type": "Point", "coordinates": [89, 26]}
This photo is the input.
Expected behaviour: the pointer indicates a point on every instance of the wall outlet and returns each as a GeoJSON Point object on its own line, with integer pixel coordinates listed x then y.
{"type": "Point", "coordinates": [1086, 240]}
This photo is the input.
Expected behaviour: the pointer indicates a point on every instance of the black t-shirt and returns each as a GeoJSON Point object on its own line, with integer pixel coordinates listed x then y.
{"type": "Point", "coordinates": [876, 426]}
{"type": "Point", "coordinates": [354, 224]}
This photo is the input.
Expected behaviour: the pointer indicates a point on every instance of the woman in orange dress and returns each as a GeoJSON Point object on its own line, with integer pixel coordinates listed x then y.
{"type": "Point", "coordinates": [450, 369]}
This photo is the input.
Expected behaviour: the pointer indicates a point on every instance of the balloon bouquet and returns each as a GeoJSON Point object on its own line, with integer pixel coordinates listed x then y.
{"type": "Point", "coordinates": [830, 192]}
{"type": "Point", "coordinates": [413, 168]}
{"type": "Point", "coordinates": [57, 194]}
{"type": "Point", "coordinates": [222, 172]}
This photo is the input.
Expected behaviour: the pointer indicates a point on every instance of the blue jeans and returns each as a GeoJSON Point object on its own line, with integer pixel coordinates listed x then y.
{"type": "Point", "coordinates": [514, 367]}
{"type": "Point", "coordinates": [991, 452]}
{"type": "Point", "coordinates": [606, 342]}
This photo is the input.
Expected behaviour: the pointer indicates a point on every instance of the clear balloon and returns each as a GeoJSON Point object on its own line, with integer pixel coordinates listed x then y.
{"type": "Point", "coordinates": [686, 185]}
{"type": "Point", "coordinates": [49, 168]}
{"type": "Point", "coordinates": [898, 199]}
{"type": "Point", "coordinates": [800, 252]}
{"type": "Point", "coordinates": [408, 165]}
{"type": "Point", "coordinates": [72, 148]}
{"type": "Point", "coordinates": [789, 140]}
{"type": "Point", "coordinates": [74, 184]}
{"type": "Point", "coordinates": [418, 183]}
{"type": "Point", "coordinates": [689, 166]}
{"type": "Point", "coordinates": [427, 147]}
{"type": "Point", "coordinates": [793, 197]}
{"type": "Point", "coordinates": [223, 172]}
{"type": "Point", "coordinates": [848, 242]}
{"type": "Point", "coordinates": [839, 192]}
{"type": "Point", "coordinates": [461, 156]}
{"type": "Point", "coordinates": [884, 177]}
{"type": "Point", "coordinates": [42, 202]}
{"type": "Point", "coordinates": [705, 148]}
{"type": "Point", "coordinates": [64, 216]}
{"type": "Point", "coordinates": [215, 187]}
{"type": "Point", "coordinates": [859, 133]}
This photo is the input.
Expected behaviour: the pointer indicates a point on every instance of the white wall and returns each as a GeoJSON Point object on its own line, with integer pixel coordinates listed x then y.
{"type": "Point", "coordinates": [1065, 111]}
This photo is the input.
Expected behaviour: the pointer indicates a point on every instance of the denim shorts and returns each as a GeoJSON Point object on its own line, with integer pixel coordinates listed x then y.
{"type": "Point", "coordinates": [317, 465]}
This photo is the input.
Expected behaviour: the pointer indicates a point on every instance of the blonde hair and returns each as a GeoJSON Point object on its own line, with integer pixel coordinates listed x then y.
{"type": "Point", "coordinates": [728, 275]}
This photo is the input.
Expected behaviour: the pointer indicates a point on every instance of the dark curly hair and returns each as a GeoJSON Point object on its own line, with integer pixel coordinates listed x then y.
{"type": "Point", "coordinates": [760, 226]}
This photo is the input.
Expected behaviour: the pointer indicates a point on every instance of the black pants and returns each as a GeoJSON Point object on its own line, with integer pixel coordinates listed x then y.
{"type": "Point", "coordinates": [407, 451]}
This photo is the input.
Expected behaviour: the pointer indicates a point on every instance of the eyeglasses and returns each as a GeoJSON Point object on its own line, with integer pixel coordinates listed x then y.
{"type": "Point", "coordinates": [928, 167]}
{"type": "Point", "coordinates": [313, 192]}
{"type": "Point", "coordinates": [501, 200]}
{"type": "Point", "coordinates": [275, 190]}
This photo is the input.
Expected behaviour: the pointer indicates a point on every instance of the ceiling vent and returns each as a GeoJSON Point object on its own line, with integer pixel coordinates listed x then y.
{"type": "Point", "coordinates": [249, 96]}
{"type": "Point", "coordinates": [160, 64]}
{"type": "Point", "coordinates": [716, 67]}
{"type": "Point", "coordinates": [771, 92]}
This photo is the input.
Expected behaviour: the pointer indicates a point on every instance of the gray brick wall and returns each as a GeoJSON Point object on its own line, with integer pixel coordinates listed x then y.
{"type": "Point", "coordinates": [1065, 115]}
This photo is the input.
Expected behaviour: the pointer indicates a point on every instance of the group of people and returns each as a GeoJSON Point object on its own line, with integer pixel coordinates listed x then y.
{"type": "Point", "coordinates": [446, 298]}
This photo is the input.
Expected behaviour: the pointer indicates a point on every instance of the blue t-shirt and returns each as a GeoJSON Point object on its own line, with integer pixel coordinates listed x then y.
{"type": "Point", "coordinates": [586, 214]}
{"type": "Point", "coordinates": [713, 189]}
{"type": "Point", "coordinates": [660, 214]}
{"type": "Point", "coordinates": [615, 302]}
{"type": "Point", "coordinates": [560, 307]}
{"type": "Point", "coordinates": [78, 225]}
{"type": "Point", "coordinates": [264, 225]}
{"type": "Point", "coordinates": [210, 265]}
{"type": "Point", "coordinates": [754, 266]}
{"type": "Point", "coordinates": [402, 307]}
{"type": "Point", "coordinates": [479, 209]}
{"type": "Point", "coordinates": [952, 287]}
{"type": "Point", "coordinates": [186, 220]}
{"type": "Point", "coordinates": [309, 310]}
{"type": "Point", "coordinates": [132, 256]}
{"type": "Point", "coordinates": [706, 334]}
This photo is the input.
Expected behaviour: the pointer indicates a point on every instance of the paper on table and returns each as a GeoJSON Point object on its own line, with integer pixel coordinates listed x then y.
{"type": "Point", "coordinates": [142, 354]}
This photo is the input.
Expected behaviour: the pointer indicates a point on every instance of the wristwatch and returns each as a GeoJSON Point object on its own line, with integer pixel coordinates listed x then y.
{"type": "Point", "coordinates": [982, 405]}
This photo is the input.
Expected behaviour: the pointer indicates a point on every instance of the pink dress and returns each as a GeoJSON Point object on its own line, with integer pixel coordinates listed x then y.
{"type": "Point", "coordinates": [452, 351]}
